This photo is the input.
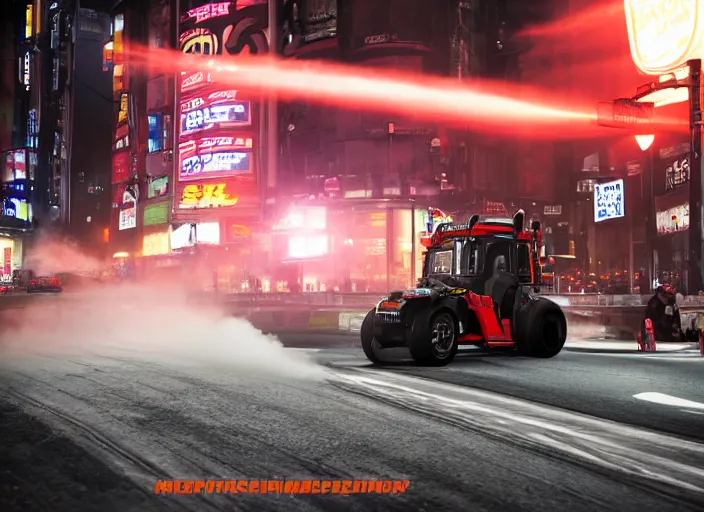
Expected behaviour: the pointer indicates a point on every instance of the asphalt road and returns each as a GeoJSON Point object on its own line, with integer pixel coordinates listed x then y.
{"type": "Point", "coordinates": [203, 409]}
{"type": "Point", "coordinates": [598, 384]}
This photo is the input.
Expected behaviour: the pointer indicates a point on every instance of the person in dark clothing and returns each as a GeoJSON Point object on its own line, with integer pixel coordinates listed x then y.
{"type": "Point", "coordinates": [663, 312]}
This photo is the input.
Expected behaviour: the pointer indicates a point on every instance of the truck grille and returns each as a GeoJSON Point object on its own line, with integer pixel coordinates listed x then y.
{"type": "Point", "coordinates": [388, 317]}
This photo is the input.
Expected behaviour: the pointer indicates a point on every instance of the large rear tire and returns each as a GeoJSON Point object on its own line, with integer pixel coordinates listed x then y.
{"type": "Point", "coordinates": [541, 329]}
{"type": "Point", "coordinates": [434, 343]}
{"type": "Point", "coordinates": [369, 345]}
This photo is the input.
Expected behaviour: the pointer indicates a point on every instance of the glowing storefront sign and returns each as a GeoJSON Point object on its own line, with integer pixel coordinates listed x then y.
{"type": "Point", "coordinates": [118, 51]}
{"type": "Point", "coordinates": [240, 231]}
{"type": "Point", "coordinates": [608, 201]}
{"type": "Point", "coordinates": [128, 211]}
{"type": "Point", "coordinates": [206, 12]}
{"type": "Point", "coordinates": [189, 235]}
{"type": "Point", "coordinates": [155, 214]}
{"type": "Point", "coordinates": [209, 195]}
{"type": "Point", "coordinates": [199, 41]}
{"type": "Point", "coordinates": [124, 106]}
{"type": "Point", "coordinates": [215, 144]}
{"type": "Point", "coordinates": [672, 220]}
{"type": "Point", "coordinates": [28, 22]}
{"type": "Point", "coordinates": [120, 167]}
{"type": "Point", "coordinates": [18, 208]}
{"type": "Point", "coordinates": [663, 35]}
{"type": "Point", "coordinates": [26, 67]}
{"type": "Point", "coordinates": [210, 164]}
{"type": "Point", "coordinates": [158, 187]}
{"type": "Point", "coordinates": [156, 244]}
{"type": "Point", "coordinates": [215, 98]}
{"type": "Point", "coordinates": [192, 81]}
{"type": "Point", "coordinates": [206, 118]}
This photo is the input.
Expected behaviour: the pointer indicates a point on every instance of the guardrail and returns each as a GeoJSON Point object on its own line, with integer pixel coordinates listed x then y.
{"type": "Point", "coordinates": [333, 299]}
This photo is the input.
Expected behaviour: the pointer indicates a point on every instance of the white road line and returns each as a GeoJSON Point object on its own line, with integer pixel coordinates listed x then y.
{"type": "Point", "coordinates": [663, 399]}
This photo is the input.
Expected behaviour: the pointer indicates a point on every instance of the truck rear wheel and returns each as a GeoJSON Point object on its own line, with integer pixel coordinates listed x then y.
{"type": "Point", "coordinates": [435, 343]}
{"type": "Point", "coordinates": [541, 329]}
{"type": "Point", "coordinates": [369, 345]}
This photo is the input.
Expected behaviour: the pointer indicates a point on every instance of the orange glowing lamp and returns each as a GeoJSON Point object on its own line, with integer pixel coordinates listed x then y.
{"type": "Point", "coordinates": [664, 34]}
{"type": "Point", "coordinates": [645, 141]}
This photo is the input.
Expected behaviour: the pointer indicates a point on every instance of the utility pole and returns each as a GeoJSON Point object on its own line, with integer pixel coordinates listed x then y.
{"type": "Point", "coordinates": [272, 122]}
{"type": "Point", "coordinates": [695, 178]}
{"type": "Point", "coordinates": [176, 118]}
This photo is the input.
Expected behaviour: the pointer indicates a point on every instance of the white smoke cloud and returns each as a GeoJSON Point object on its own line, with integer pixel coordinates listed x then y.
{"type": "Point", "coordinates": [156, 324]}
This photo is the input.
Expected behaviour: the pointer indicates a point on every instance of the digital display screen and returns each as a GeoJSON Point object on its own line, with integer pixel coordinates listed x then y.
{"type": "Point", "coordinates": [18, 208]}
{"type": "Point", "coordinates": [215, 145]}
{"type": "Point", "coordinates": [216, 164]}
{"type": "Point", "coordinates": [236, 113]}
{"type": "Point", "coordinates": [609, 201]}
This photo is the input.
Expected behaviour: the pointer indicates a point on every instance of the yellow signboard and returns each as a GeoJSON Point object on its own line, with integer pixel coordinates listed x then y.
{"type": "Point", "coordinates": [207, 196]}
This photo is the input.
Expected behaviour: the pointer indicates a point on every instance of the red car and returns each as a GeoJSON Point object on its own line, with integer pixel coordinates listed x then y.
{"type": "Point", "coordinates": [477, 288]}
{"type": "Point", "coordinates": [44, 284]}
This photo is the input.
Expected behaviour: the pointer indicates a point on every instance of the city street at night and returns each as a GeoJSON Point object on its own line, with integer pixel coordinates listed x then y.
{"type": "Point", "coordinates": [496, 431]}
{"type": "Point", "coordinates": [352, 255]}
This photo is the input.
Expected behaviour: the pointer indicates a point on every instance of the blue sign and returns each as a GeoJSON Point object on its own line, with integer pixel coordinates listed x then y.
{"type": "Point", "coordinates": [609, 201]}
{"type": "Point", "coordinates": [235, 113]}
{"type": "Point", "coordinates": [225, 163]}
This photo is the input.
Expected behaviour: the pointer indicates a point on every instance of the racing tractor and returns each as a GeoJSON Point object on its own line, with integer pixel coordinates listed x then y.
{"type": "Point", "coordinates": [479, 286]}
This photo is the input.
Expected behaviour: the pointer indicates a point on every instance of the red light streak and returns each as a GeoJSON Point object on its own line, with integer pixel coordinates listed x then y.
{"type": "Point", "coordinates": [499, 107]}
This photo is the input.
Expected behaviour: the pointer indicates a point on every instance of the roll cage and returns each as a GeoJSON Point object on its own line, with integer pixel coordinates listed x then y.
{"type": "Point", "coordinates": [460, 255]}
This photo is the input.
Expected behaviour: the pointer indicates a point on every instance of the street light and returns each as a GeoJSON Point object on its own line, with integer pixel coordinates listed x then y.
{"type": "Point", "coordinates": [645, 141]}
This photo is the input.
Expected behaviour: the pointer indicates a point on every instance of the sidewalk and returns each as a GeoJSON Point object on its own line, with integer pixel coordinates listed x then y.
{"type": "Point", "coordinates": [600, 345]}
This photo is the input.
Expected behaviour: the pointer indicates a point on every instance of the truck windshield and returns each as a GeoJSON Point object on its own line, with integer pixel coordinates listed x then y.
{"type": "Point", "coordinates": [440, 262]}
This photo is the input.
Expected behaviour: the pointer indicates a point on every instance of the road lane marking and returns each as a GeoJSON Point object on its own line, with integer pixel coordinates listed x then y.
{"type": "Point", "coordinates": [663, 399]}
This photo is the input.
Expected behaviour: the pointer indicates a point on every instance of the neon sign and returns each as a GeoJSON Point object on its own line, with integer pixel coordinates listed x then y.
{"type": "Point", "coordinates": [207, 196]}
{"type": "Point", "coordinates": [209, 11]}
{"type": "Point", "coordinates": [215, 98]}
{"type": "Point", "coordinates": [663, 35]}
{"type": "Point", "coordinates": [191, 81]}
{"type": "Point", "coordinates": [233, 114]}
{"type": "Point", "coordinates": [229, 162]}
{"type": "Point", "coordinates": [200, 41]}
{"type": "Point", "coordinates": [212, 144]}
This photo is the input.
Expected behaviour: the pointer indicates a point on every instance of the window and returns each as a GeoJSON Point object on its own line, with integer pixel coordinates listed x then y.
{"type": "Point", "coordinates": [494, 249]}
{"type": "Point", "coordinates": [523, 263]}
{"type": "Point", "coordinates": [440, 262]}
{"type": "Point", "coordinates": [122, 143]}
{"type": "Point", "coordinates": [155, 141]}
{"type": "Point", "coordinates": [470, 259]}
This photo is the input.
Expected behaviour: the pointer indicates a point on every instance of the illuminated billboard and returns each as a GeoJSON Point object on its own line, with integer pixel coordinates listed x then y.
{"type": "Point", "coordinates": [208, 11]}
{"type": "Point", "coordinates": [18, 208]}
{"type": "Point", "coordinates": [119, 77]}
{"type": "Point", "coordinates": [609, 201]}
{"type": "Point", "coordinates": [228, 115]}
{"type": "Point", "coordinates": [212, 157]}
{"type": "Point", "coordinates": [209, 30]}
{"type": "Point", "coordinates": [120, 166]}
{"type": "Point", "coordinates": [128, 209]}
{"type": "Point", "coordinates": [195, 80]}
{"type": "Point", "coordinates": [216, 144]}
{"type": "Point", "coordinates": [210, 165]}
{"type": "Point", "coordinates": [15, 165]}
{"type": "Point", "coordinates": [209, 195]}
{"type": "Point", "coordinates": [672, 220]}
